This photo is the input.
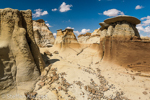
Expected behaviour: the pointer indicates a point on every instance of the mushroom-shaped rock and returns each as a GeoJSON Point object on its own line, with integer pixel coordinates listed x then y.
{"type": "Point", "coordinates": [122, 27]}
{"type": "Point", "coordinates": [129, 19]}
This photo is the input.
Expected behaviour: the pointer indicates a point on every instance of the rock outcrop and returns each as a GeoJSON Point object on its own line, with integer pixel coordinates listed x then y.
{"type": "Point", "coordinates": [65, 38]}
{"type": "Point", "coordinates": [20, 60]}
{"type": "Point", "coordinates": [119, 41]}
{"type": "Point", "coordinates": [90, 38]}
{"type": "Point", "coordinates": [43, 36]}
{"type": "Point", "coordinates": [59, 37]}
{"type": "Point", "coordinates": [95, 37]}
{"type": "Point", "coordinates": [69, 36]}
{"type": "Point", "coordinates": [82, 38]}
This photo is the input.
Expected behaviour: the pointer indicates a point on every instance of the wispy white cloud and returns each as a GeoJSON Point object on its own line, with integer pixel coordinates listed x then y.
{"type": "Point", "coordinates": [64, 7]}
{"type": "Point", "coordinates": [113, 12]}
{"type": "Point", "coordinates": [145, 25]}
{"type": "Point", "coordinates": [83, 31]}
{"type": "Point", "coordinates": [55, 9]}
{"type": "Point", "coordinates": [54, 34]}
{"type": "Point", "coordinates": [46, 22]}
{"type": "Point", "coordinates": [48, 25]}
{"type": "Point", "coordinates": [67, 21]}
{"type": "Point", "coordinates": [70, 28]}
{"type": "Point", "coordinates": [39, 13]}
{"type": "Point", "coordinates": [138, 7]}
{"type": "Point", "coordinates": [100, 13]}
{"type": "Point", "coordinates": [148, 17]}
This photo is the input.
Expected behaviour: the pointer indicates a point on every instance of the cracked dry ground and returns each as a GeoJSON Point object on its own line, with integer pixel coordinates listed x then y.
{"type": "Point", "coordinates": [70, 78]}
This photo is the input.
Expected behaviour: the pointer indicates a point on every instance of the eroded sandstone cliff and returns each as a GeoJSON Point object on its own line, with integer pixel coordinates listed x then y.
{"type": "Point", "coordinates": [20, 60]}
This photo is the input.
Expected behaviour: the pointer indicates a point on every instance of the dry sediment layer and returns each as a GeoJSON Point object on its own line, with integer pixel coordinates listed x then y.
{"type": "Point", "coordinates": [121, 44]}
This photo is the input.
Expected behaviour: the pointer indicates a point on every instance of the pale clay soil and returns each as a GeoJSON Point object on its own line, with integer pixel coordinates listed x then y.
{"type": "Point", "coordinates": [84, 77]}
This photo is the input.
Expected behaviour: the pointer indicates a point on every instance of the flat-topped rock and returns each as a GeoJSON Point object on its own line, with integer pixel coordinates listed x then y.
{"type": "Point", "coordinates": [129, 19]}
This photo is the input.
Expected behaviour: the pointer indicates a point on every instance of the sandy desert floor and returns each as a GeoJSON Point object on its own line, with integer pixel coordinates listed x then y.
{"type": "Point", "coordinates": [84, 77]}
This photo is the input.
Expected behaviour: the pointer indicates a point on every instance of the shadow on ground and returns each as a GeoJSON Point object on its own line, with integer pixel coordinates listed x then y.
{"type": "Point", "coordinates": [53, 60]}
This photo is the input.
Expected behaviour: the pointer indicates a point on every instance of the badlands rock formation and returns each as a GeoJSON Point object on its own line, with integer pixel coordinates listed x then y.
{"type": "Point", "coordinates": [95, 37]}
{"type": "Point", "coordinates": [20, 60]}
{"type": "Point", "coordinates": [43, 36]}
{"type": "Point", "coordinates": [82, 38]}
{"type": "Point", "coordinates": [90, 38]}
{"type": "Point", "coordinates": [119, 30]}
{"type": "Point", "coordinates": [65, 38]}
{"type": "Point", "coordinates": [115, 69]}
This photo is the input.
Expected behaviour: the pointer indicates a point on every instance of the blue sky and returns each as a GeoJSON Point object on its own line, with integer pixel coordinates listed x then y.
{"type": "Point", "coordinates": [83, 15]}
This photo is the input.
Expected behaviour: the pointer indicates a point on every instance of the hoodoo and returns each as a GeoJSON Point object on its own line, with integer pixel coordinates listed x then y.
{"type": "Point", "coordinates": [121, 37]}
{"type": "Point", "coordinates": [122, 26]}
{"type": "Point", "coordinates": [69, 36]}
{"type": "Point", "coordinates": [59, 37]}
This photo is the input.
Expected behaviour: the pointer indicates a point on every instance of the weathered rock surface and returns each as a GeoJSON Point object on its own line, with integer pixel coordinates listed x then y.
{"type": "Point", "coordinates": [69, 36]}
{"type": "Point", "coordinates": [43, 36]}
{"type": "Point", "coordinates": [65, 38]}
{"type": "Point", "coordinates": [20, 60]}
{"type": "Point", "coordinates": [115, 69]}
{"type": "Point", "coordinates": [95, 37]}
{"type": "Point", "coordinates": [90, 38]}
{"type": "Point", "coordinates": [59, 37]}
{"type": "Point", "coordinates": [82, 38]}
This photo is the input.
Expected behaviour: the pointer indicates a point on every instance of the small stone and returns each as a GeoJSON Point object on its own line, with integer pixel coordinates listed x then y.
{"type": "Point", "coordinates": [56, 52]}
{"type": "Point", "coordinates": [41, 84]}
{"type": "Point", "coordinates": [48, 53]}
{"type": "Point", "coordinates": [59, 88]}
{"type": "Point", "coordinates": [145, 93]}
